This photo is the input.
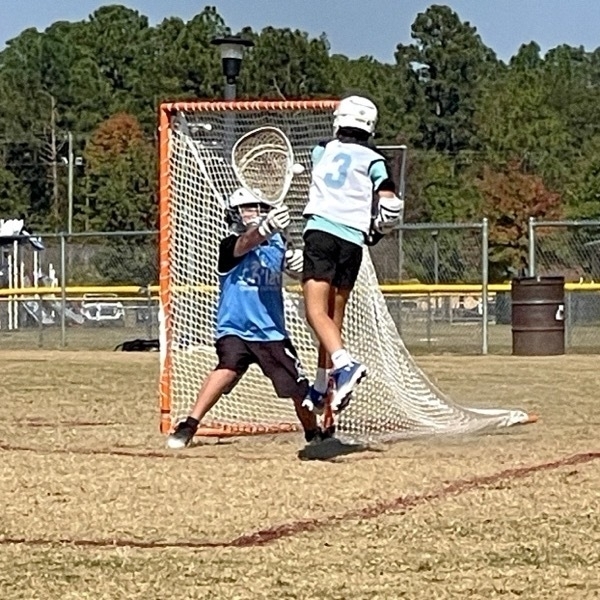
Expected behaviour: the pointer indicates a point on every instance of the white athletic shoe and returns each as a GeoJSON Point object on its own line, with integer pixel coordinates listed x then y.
{"type": "Point", "coordinates": [181, 437]}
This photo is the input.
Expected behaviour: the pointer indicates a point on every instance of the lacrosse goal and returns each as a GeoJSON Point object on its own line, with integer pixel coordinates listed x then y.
{"type": "Point", "coordinates": [396, 401]}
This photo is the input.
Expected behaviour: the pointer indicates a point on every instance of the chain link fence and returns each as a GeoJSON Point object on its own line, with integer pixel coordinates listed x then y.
{"type": "Point", "coordinates": [83, 291]}
{"type": "Point", "coordinates": [96, 290]}
{"type": "Point", "coordinates": [571, 249]}
{"type": "Point", "coordinates": [446, 256]}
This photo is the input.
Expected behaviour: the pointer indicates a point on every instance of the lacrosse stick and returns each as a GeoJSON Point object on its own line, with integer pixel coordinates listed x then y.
{"type": "Point", "coordinates": [263, 161]}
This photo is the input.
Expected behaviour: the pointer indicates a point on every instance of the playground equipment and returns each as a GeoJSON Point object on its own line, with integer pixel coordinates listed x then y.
{"type": "Point", "coordinates": [20, 268]}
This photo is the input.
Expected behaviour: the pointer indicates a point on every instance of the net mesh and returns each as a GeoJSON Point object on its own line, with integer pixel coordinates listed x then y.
{"type": "Point", "coordinates": [397, 400]}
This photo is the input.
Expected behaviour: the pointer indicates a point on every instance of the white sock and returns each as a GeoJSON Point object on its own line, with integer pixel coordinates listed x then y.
{"type": "Point", "coordinates": [341, 358]}
{"type": "Point", "coordinates": [321, 380]}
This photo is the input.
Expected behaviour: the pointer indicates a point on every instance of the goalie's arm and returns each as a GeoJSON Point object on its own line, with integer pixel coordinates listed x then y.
{"type": "Point", "coordinates": [294, 262]}
{"type": "Point", "coordinates": [275, 221]}
{"type": "Point", "coordinates": [248, 241]}
{"type": "Point", "coordinates": [233, 248]}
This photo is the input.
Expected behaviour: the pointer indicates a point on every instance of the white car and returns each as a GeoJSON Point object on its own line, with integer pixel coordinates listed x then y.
{"type": "Point", "coordinates": [99, 308]}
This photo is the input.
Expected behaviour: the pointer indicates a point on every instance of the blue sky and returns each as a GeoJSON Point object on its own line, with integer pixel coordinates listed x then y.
{"type": "Point", "coordinates": [354, 27]}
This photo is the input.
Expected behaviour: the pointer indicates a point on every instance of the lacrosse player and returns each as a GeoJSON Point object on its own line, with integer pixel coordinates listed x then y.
{"type": "Point", "coordinates": [352, 201]}
{"type": "Point", "coordinates": [250, 313]}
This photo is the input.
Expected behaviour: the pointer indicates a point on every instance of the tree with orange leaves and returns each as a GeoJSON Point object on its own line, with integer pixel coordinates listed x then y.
{"type": "Point", "coordinates": [511, 196]}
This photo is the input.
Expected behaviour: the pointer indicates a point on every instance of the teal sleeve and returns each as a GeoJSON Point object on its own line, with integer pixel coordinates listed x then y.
{"type": "Point", "coordinates": [378, 173]}
{"type": "Point", "coordinates": [317, 154]}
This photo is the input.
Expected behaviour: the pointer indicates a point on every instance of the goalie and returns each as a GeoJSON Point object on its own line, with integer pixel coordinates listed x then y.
{"type": "Point", "coordinates": [347, 174]}
{"type": "Point", "coordinates": [250, 314]}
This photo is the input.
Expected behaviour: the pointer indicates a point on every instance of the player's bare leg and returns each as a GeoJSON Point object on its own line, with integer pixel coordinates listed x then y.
{"type": "Point", "coordinates": [318, 390]}
{"type": "Point", "coordinates": [215, 385]}
{"type": "Point", "coordinates": [347, 372]}
{"type": "Point", "coordinates": [336, 307]}
{"type": "Point", "coordinates": [316, 301]}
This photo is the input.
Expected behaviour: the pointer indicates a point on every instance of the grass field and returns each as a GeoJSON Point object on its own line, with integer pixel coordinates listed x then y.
{"type": "Point", "coordinates": [94, 506]}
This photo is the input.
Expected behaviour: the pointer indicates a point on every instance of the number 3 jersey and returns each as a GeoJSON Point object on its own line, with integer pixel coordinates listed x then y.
{"type": "Point", "coordinates": [344, 176]}
{"type": "Point", "coordinates": [250, 303]}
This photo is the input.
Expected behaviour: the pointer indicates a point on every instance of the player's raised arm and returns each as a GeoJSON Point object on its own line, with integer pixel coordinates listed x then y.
{"type": "Point", "coordinates": [253, 220]}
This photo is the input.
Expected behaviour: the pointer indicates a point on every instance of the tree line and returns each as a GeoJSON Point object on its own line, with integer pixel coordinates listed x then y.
{"type": "Point", "coordinates": [487, 138]}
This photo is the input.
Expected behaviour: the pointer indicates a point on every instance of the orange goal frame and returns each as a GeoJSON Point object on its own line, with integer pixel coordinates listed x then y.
{"type": "Point", "coordinates": [166, 110]}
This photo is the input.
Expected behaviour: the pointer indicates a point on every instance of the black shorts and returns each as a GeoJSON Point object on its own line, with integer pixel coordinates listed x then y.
{"type": "Point", "coordinates": [330, 258]}
{"type": "Point", "coordinates": [278, 361]}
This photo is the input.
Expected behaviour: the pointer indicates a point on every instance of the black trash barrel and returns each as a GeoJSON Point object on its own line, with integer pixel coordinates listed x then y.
{"type": "Point", "coordinates": [538, 316]}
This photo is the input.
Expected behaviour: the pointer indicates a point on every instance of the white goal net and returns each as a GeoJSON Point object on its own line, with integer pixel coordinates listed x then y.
{"type": "Point", "coordinates": [397, 400]}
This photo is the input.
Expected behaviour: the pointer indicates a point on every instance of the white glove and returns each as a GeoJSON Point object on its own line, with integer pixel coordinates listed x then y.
{"type": "Point", "coordinates": [276, 220]}
{"type": "Point", "coordinates": [389, 214]}
{"type": "Point", "coordinates": [294, 261]}
{"type": "Point", "coordinates": [11, 227]}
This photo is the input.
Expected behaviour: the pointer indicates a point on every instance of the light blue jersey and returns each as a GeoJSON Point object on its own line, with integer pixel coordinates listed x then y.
{"type": "Point", "coordinates": [251, 299]}
{"type": "Point", "coordinates": [377, 171]}
{"type": "Point", "coordinates": [340, 198]}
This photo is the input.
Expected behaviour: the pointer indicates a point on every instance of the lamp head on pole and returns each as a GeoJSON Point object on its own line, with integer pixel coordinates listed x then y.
{"type": "Point", "coordinates": [232, 53]}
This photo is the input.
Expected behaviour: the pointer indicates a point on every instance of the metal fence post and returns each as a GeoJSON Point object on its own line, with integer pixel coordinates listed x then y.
{"type": "Point", "coordinates": [531, 245]}
{"type": "Point", "coordinates": [63, 290]}
{"type": "Point", "coordinates": [484, 285]}
{"type": "Point", "coordinates": [569, 318]}
{"type": "Point", "coordinates": [40, 316]}
{"type": "Point", "coordinates": [150, 319]}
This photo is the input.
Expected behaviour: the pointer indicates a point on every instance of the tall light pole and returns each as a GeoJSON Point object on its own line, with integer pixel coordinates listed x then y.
{"type": "Point", "coordinates": [70, 166]}
{"type": "Point", "coordinates": [71, 161]}
{"type": "Point", "coordinates": [232, 53]}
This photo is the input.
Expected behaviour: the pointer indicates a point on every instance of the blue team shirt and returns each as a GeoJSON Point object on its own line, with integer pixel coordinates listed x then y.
{"type": "Point", "coordinates": [250, 303]}
{"type": "Point", "coordinates": [377, 173]}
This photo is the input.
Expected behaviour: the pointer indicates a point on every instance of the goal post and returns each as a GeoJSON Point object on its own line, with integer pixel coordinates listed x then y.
{"type": "Point", "coordinates": [195, 173]}
{"type": "Point", "coordinates": [397, 400]}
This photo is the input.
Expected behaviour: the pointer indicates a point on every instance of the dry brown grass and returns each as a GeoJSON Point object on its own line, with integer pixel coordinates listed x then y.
{"type": "Point", "coordinates": [95, 507]}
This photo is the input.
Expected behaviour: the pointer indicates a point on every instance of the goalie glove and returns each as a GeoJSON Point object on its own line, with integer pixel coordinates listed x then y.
{"type": "Point", "coordinates": [389, 214]}
{"type": "Point", "coordinates": [294, 262]}
{"type": "Point", "coordinates": [276, 220]}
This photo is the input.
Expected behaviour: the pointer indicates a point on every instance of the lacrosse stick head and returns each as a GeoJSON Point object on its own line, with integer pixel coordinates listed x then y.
{"type": "Point", "coordinates": [263, 161]}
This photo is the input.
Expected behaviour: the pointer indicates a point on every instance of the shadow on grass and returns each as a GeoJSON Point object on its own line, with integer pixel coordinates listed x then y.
{"type": "Point", "coordinates": [331, 449]}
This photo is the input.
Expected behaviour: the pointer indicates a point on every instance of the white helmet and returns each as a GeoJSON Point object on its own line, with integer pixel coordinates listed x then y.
{"type": "Point", "coordinates": [357, 112]}
{"type": "Point", "coordinates": [242, 197]}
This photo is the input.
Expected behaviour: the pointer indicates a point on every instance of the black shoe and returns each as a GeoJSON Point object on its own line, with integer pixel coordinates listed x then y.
{"type": "Point", "coordinates": [182, 436]}
{"type": "Point", "coordinates": [316, 436]}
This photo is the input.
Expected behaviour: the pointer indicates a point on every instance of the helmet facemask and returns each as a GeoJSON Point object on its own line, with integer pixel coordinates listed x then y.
{"type": "Point", "coordinates": [244, 211]}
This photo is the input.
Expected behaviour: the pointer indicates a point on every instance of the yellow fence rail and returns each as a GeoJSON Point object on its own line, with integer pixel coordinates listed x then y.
{"type": "Point", "coordinates": [415, 289]}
